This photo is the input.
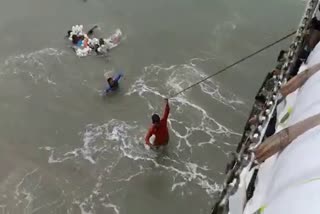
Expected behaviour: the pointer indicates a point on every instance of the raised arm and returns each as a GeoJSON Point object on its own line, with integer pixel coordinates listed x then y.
{"type": "Point", "coordinates": [90, 32]}
{"type": "Point", "coordinates": [118, 77]}
{"type": "Point", "coordinates": [166, 110]}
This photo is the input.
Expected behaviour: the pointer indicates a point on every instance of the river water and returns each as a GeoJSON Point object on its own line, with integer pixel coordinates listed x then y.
{"type": "Point", "coordinates": [66, 149]}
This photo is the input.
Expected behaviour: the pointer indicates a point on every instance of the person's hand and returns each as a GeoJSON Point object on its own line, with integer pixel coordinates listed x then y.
{"type": "Point", "coordinates": [253, 119]}
{"type": "Point", "coordinates": [147, 146]}
{"type": "Point", "coordinates": [268, 148]}
{"type": "Point", "coordinates": [166, 100]}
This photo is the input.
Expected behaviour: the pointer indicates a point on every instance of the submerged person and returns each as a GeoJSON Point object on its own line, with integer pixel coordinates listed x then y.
{"type": "Point", "coordinates": [80, 41]}
{"type": "Point", "coordinates": [88, 45]}
{"type": "Point", "coordinates": [159, 129]}
{"type": "Point", "coordinates": [113, 83]}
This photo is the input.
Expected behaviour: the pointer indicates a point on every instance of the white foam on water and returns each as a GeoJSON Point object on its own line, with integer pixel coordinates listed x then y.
{"type": "Point", "coordinates": [192, 174]}
{"type": "Point", "coordinates": [46, 205]}
{"type": "Point", "coordinates": [211, 141]}
{"type": "Point", "coordinates": [90, 136]}
{"type": "Point", "coordinates": [20, 183]}
{"type": "Point", "coordinates": [209, 187]}
{"type": "Point", "coordinates": [33, 64]}
{"type": "Point", "coordinates": [55, 158]}
{"type": "Point", "coordinates": [113, 136]}
{"type": "Point", "coordinates": [207, 124]}
{"type": "Point", "coordinates": [117, 140]}
{"type": "Point", "coordinates": [114, 207]}
{"type": "Point", "coordinates": [131, 176]}
{"type": "Point", "coordinates": [87, 205]}
{"type": "Point", "coordinates": [25, 189]}
{"type": "Point", "coordinates": [180, 184]}
{"type": "Point", "coordinates": [124, 140]}
{"type": "Point", "coordinates": [47, 148]}
{"type": "Point", "coordinates": [83, 207]}
{"type": "Point", "coordinates": [51, 82]}
{"type": "Point", "coordinates": [67, 156]}
{"type": "Point", "coordinates": [193, 61]}
{"type": "Point", "coordinates": [178, 77]}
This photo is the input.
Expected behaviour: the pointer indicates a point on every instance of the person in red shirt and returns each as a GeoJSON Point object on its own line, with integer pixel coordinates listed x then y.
{"type": "Point", "coordinates": [159, 129]}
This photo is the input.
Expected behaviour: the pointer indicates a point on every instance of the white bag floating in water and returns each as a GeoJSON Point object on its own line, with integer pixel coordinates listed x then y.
{"type": "Point", "coordinates": [83, 52]}
{"type": "Point", "coordinates": [93, 41]}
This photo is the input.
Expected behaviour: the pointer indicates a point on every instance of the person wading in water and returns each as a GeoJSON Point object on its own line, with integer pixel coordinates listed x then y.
{"type": "Point", "coordinates": [159, 129]}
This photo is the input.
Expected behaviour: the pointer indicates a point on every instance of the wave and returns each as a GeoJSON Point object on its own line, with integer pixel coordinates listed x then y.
{"type": "Point", "coordinates": [33, 64]}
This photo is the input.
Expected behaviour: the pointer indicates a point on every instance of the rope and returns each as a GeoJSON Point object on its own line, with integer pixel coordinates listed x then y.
{"type": "Point", "coordinates": [235, 63]}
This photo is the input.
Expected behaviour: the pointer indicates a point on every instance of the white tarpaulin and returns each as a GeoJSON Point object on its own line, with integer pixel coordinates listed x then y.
{"type": "Point", "coordinates": [289, 182]}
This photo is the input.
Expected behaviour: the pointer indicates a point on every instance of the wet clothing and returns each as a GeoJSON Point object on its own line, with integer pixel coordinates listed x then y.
{"type": "Point", "coordinates": [79, 43]}
{"type": "Point", "coordinates": [82, 42]}
{"type": "Point", "coordinates": [115, 85]}
{"type": "Point", "coordinates": [161, 133]}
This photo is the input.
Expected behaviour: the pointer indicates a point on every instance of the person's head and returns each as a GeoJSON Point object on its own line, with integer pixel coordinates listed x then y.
{"type": "Point", "coordinates": [75, 39]}
{"type": "Point", "coordinates": [281, 56]}
{"type": "Point", "coordinates": [69, 33]}
{"type": "Point", "coordinates": [260, 99]}
{"type": "Point", "coordinates": [110, 81]}
{"type": "Point", "coordinates": [155, 119]}
{"type": "Point", "coordinates": [101, 41]}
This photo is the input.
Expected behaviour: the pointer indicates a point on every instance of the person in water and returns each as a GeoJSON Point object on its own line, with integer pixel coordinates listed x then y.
{"type": "Point", "coordinates": [82, 38]}
{"type": "Point", "coordinates": [78, 40]}
{"type": "Point", "coordinates": [113, 83]}
{"type": "Point", "coordinates": [159, 129]}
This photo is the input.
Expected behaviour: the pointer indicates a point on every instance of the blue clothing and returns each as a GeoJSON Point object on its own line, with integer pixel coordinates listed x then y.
{"type": "Point", "coordinates": [115, 86]}
{"type": "Point", "coordinates": [79, 44]}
